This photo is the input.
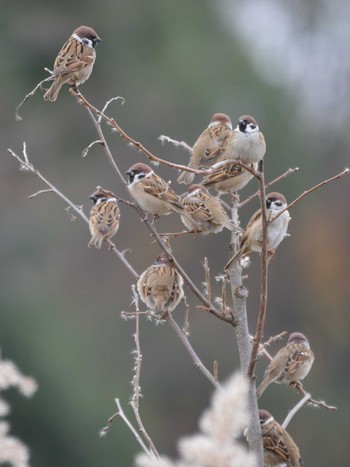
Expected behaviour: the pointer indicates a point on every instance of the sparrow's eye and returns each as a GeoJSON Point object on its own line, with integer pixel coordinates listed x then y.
{"type": "Point", "coordinates": [252, 126]}
{"type": "Point", "coordinates": [278, 203]}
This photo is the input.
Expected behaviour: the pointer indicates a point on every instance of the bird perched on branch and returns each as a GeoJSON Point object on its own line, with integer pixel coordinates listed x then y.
{"type": "Point", "coordinates": [228, 178]}
{"type": "Point", "coordinates": [152, 193]}
{"type": "Point", "coordinates": [246, 142]}
{"type": "Point", "coordinates": [209, 146]}
{"type": "Point", "coordinates": [161, 286]}
{"type": "Point", "coordinates": [291, 364]}
{"type": "Point", "coordinates": [276, 229]}
{"type": "Point", "coordinates": [279, 447]}
{"type": "Point", "coordinates": [74, 61]}
{"type": "Point", "coordinates": [104, 217]}
{"type": "Point", "coordinates": [206, 210]}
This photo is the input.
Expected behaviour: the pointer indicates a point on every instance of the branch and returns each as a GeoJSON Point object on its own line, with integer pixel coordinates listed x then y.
{"type": "Point", "coordinates": [196, 361]}
{"type": "Point", "coordinates": [275, 180]}
{"type": "Point", "coordinates": [31, 93]}
{"type": "Point", "coordinates": [24, 162]}
{"type": "Point", "coordinates": [40, 192]}
{"type": "Point", "coordinates": [307, 192]}
{"type": "Point", "coordinates": [136, 379]}
{"type": "Point", "coordinates": [263, 286]}
{"type": "Point", "coordinates": [178, 144]}
{"type": "Point", "coordinates": [121, 414]}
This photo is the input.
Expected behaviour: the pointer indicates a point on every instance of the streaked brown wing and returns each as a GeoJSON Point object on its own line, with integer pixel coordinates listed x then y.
{"type": "Point", "coordinates": [197, 209]}
{"type": "Point", "coordinates": [295, 360]}
{"type": "Point", "coordinates": [73, 57]}
{"type": "Point", "coordinates": [276, 446]}
{"type": "Point", "coordinates": [157, 187]}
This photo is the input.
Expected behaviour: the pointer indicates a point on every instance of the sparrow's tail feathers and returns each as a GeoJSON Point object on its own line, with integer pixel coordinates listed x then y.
{"type": "Point", "coordinates": [230, 226]}
{"type": "Point", "coordinates": [187, 177]}
{"type": "Point", "coordinates": [96, 242]}
{"type": "Point", "coordinates": [52, 93]}
{"type": "Point", "coordinates": [261, 388]}
{"type": "Point", "coordinates": [233, 260]}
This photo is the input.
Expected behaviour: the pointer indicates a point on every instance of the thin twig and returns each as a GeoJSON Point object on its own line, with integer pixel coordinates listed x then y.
{"type": "Point", "coordinates": [87, 149]}
{"type": "Point", "coordinates": [48, 190]}
{"type": "Point", "coordinates": [186, 324]}
{"type": "Point", "coordinates": [196, 361]}
{"type": "Point", "coordinates": [31, 93]}
{"type": "Point", "coordinates": [264, 275]}
{"type": "Point", "coordinates": [136, 379]}
{"type": "Point", "coordinates": [295, 409]}
{"type": "Point", "coordinates": [207, 278]}
{"type": "Point", "coordinates": [117, 98]}
{"type": "Point", "coordinates": [307, 192]}
{"type": "Point", "coordinates": [178, 144]}
{"type": "Point", "coordinates": [272, 182]}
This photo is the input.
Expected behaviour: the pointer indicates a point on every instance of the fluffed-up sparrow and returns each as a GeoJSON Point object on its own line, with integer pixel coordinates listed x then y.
{"type": "Point", "coordinates": [229, 177]}
{"type": "Point", "coordinates": [152, 193]}
{"type": "Point", "coordinates": [75, 61]}
{"type": "Point", "coordinates": [279, 447]}
{"type": "Point", "coordinates": [104, 217]}
{"type": "Point", "coordinates": [206, 210]}
{"type": "Point", "coordinates": [276, 229]}
{"type": "Point", "coordinates": [161, 285]}
{"type": "Point", "coordinates": [291, 364]}
{"type": "Point", "coordinates": [209, 146]}
{"type": "Point", "coordinates": [246, 143]}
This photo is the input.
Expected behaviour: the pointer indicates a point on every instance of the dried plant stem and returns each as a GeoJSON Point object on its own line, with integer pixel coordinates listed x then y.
{"type": "Point", "coordinates": [31, 93]}
{"type": "Point", "coordinates": [207, 278]}
{"type": "Point", "coordinates": [307, 192]}
{"type": "Point", "coordinates": [263, 285]}
{"type": "Point", "coordinates": [180, 144]}
{"type": "Point", "coordinates": [196, 361]}
{"type": "Point", "coordinates": [30, 167]}
{"type": "Point", "coordinates": [136, 379]}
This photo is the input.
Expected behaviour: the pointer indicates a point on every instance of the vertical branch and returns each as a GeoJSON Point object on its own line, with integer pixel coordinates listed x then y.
{"type": "Point", "coordinates": [239, 299]}
{"type": "Point", "coordinates": [263, 286]}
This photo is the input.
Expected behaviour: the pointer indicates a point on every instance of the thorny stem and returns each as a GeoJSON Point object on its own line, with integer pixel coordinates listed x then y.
{"type": "Point", "coordinates": [136, 379]}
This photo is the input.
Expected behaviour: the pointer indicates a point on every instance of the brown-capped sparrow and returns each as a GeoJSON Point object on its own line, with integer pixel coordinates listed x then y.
{"type": "Point", "coordinates": [291, 363]}
{"type": "Point", "coordinates": [206, 210]}
{"type": "Point", "coordinates": [229, 178]}
{"type": "Point", "coordinates": [246, 143]}
{"type": "Point", "coordinates": [279, 447]}
{"type": "Point", "coordinates": [104, 217]}
{"type": "Point", "coordinates": [209, 146]}
{"type": "Point", "coordinates": [74, 61]}
{"type": "Point", "coordinates": [161, 286]}
{"type": "Point", "coordinates": [276, 229]}
{"type": "Point", "coordinates": [152, 193]}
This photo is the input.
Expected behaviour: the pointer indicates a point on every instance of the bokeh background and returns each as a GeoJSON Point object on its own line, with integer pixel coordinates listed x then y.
{"type": "Point", "coordinates": [175, 63]}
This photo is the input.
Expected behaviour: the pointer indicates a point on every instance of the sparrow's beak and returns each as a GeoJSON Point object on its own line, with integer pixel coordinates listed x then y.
{"type": "Point", "coordinates": [98, 39]}
{"type": "Point", "coordinates": [92, 197]}
{"type": "Point", "coordinates": [128, 172]}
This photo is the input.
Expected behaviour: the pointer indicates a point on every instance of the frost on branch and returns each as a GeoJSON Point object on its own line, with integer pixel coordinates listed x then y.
{"type": "Point", "coordinates": [217, 443]}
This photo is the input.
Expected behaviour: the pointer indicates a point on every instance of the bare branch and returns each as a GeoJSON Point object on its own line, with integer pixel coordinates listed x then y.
{"type": "Point", "coordinates": [48, 190]}
{"type": "Point", "coordinates": [136, 379]}
{"type": "Point", "coordinates": [262, 347]}
{"type": "Point", "coordinates": [295, 409]}
{"type": "Point", "coordinates": [78, 209]}
{"type": "Point", "coordinates": [196, 361]}
{"type": "Point", "coordinates": [87, 149]}
{"type": "Point", "coordinates": [117, 98]}
{"type": "Point", "coordinates": [31, 93]}
{"type": "Point", "coordinates": [207, 278]}
{"type": "Point", "coordinates": [186, 324]}
{"type": "Point", "coordinates": [275, 180]}
{"type": "Point", "coordinates": [178, 144]}
{"type": "Point", "coordinates": [307, 192]}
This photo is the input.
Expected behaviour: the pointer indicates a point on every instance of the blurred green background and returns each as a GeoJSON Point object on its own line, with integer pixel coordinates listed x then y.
{"type": "Point", "coordinates": [175, 63]}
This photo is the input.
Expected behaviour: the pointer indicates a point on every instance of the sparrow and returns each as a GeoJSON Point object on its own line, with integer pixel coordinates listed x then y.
{"type": "Point", "coordinates": [74, 61]}
{"type": "Point", "coordinates": [104, 217]}
{"type": "Point", "coordinates": [209, 146]}
{"type": "Point", "coordinates": [153, 193]}
{"type": "Point", "coordinates": [206, 210]}
{"type": "Point", "coordinates": [279, 447]}
{"type": "Point", "coordinates": [229, 178]}
{"type": "Point", "coordinates": [161, 286]}
{"type": "Point", "coordinates": [276, 229]}
{"type": "Point", "coordinates": [291, 363]}
{"type": "Point", "coordinates": [246, 143]}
